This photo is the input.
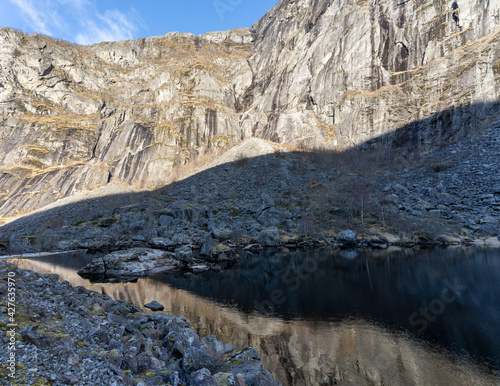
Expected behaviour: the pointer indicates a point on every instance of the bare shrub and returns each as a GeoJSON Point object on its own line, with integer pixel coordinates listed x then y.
{"type": "Point", "coordinates": [401, 225]}
{"type": "Point", "coordinates": [355, 195]}
{"type": "Point", "coordinates": [431, 225]}
{"type": "Point", "coordinates": [308, 225]}
{"type": "Point", "coordinates": [238, 232]}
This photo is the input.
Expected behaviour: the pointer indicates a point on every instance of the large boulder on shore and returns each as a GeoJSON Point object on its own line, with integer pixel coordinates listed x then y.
{"type": "Point", "coordinates": [347, 237]}
{"type": "Point", "coordinates": [222, 252]}
{"type": "Point", "coordinates": [269, 237]}
{"type": "Point", "coordinates": [184, 253]}
{"type": "Point", "coordinates": [129, 263]}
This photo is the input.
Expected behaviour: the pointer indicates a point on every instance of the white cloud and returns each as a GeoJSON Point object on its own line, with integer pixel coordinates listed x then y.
{"type": "Point", "coordinates": [78, 20]}
{"type": "Point", "coordinates": [40, 16]}
{"type": "Point", "coordinates": [113, 25]}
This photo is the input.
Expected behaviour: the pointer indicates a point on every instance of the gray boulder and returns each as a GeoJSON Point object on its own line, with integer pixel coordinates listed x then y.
{"type": "Point", "coordinates": [206, 246]}
{"type": "Point", "coordinates": [134, 221]}
{"type": "Point", "coordinates": [188, 212]}
{"type": "Point", "coordinates": [184, 253]}
{"type": "Point", "coordinates": [198, 268]}
{"type": "Point", "coordinates": [167, 220]}
{"type": "Point", "coordinates": [222, 252]}
{"type": "Point", "coordinates": [161, 242]}
{"type": "Point", "coordinates": [270, 217]}
{"type": "Point", "coordinates": [181, 239]}
{"type": "Point", "coordinates": [269, 237]}
{"type": "Point", "coordinates": [390, 199]}
{"type": "Point", "coordinates": [181, 339]}
{"type": "Point", "coordinates": [266, 202]}
{"type": "Point", "coordinates": [172, 378]}
{"type": "Point", "coordinates": [246, 364]}
{"type": "Point", "coordinates": [201, 378]}
{"type": "Point", "coordinates": [247, 354]}
{"type": "Point", "coordinates": [224, 379]}
{"type": "Point", "coordinates": [154, 306]}
{"type": "Point", "coordinates": [220, 230]}
{"type": "Point", "coordinates": [196, 359]}
{"type": "Point", "coordinates": [22, 244]}
{"type": "Point", "coordinates": [400, 190]}
{"type": "Point", "coordinates": [347, 237]}
{"type": "Point", "coordinates": [216, 346]}
{"type": "Point", "coordinates": [36, 338]}
{"type": "Point", "coordinates": [133, 262]}
{"type": "Point", "coordinates": [94, 238]}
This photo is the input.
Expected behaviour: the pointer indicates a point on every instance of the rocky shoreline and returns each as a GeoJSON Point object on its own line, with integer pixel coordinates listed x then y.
{"type": "Point", "coordinates": [130, 264]}
{"type": "Point", "coordinates": [73, 336]}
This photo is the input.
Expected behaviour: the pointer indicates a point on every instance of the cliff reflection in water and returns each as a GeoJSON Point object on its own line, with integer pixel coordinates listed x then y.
{"type": "Point", "coordinates": [322, 316]}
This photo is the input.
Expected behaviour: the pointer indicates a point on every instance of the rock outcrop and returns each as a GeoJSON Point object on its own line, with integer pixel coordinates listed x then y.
{"type": "Point", "coordinates": [318, 73]}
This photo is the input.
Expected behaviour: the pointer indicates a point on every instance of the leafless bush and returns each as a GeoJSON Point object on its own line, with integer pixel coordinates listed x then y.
{"type": "Point", "coordinates": [430, 225]}
{"type": "Point", "coordinates": [401, 225]}
{"type": "Point", "coordinates": [307, 224]}
{"type": "Point", "coordinates": [355, 195]}
{"type": "Point", "coordinates": [238, 232]}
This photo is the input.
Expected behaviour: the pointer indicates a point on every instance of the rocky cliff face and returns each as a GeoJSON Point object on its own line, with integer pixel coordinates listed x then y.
{"type": "Point", "coordinates": [321, 73]}
{"type": "Point", "coordinates": [72, 118]}
{"type": "Point", "coordinates": [344, 72]}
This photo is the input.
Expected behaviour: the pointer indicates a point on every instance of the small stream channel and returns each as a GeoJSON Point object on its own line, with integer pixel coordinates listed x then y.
{"type": "Point", "coordinates": [405, 317]}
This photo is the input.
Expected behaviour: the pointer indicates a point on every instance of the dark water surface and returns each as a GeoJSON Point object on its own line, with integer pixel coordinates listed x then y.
{"type": "Point", "coordinates": [394, 317]}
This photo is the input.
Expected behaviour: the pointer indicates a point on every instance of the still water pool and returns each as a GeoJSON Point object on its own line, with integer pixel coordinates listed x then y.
{"type": "Point", "coordinates": [396, 317]}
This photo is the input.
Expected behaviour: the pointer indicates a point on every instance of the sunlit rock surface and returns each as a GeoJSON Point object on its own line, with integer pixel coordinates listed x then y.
{"type": "Point", "coordinates": [337, 72]}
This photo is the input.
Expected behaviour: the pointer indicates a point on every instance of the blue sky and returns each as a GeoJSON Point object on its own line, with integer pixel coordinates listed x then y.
{"type": "Point", "coordinates": [93, 21]}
